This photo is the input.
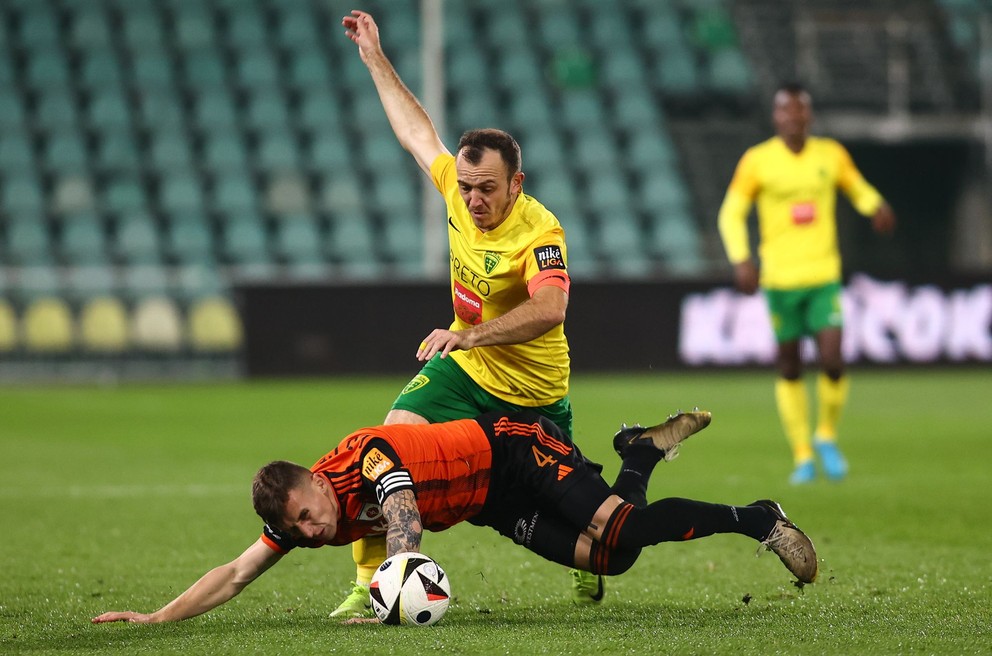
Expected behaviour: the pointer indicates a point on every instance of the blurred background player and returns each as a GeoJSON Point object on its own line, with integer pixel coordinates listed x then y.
{"type": "Point", "coordinates": [509, 289]}
{"type": "Point", "coordinates": [794, 178]}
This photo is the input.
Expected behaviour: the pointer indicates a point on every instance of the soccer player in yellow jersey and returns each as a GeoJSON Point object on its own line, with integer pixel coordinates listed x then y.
{"type": "Point", "coordinates": [506, 348]}
{"type": "Point", "coordinates": [794, 178]}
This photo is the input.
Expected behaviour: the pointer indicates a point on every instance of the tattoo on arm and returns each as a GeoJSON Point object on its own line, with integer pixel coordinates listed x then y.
{"type": "Point", "coordinates": [404, 527]}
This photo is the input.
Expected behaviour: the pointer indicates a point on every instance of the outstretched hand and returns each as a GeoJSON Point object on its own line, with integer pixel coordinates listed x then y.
{"type": "Point", "coordinates": [123, 616]}
{"type": "Point", "coordinates": [361, 28]}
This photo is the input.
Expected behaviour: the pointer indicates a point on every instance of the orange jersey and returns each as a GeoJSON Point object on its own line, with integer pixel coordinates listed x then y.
{"type": "Point", "coordinates": [448, 466]}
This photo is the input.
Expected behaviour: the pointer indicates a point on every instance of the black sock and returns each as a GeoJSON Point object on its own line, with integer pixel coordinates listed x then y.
{"type": "Point", "coordinates": [635, 472]}
{"type": "Point", "coordinates": [671, 520]}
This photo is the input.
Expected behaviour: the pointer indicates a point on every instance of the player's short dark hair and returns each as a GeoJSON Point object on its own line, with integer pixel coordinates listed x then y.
{"type": "Point", "coordinates": [793, 88]}
{"type": "Point", "coordinates": [473, 142]}
{"type": "Point", "coordinates": [270, 489]}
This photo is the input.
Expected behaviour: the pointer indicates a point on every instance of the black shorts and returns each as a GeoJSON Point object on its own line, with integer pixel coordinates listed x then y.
{"type": "Point", "coordinates": [543, 492]}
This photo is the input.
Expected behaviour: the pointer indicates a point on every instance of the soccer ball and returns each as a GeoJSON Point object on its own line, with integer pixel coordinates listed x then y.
{"type": "Point", "coordinates": [409, 588]}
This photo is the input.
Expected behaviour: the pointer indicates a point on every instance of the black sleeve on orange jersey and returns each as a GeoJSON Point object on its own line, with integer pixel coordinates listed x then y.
{"type": "Point", "coordinates": [383, 470]}
{"type": "Point", "coordinates": [281, 541]}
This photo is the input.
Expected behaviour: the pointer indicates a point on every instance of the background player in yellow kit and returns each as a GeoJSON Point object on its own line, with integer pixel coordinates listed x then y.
{"type": "Point", "coordinates": [794, 178]}
{"type": "Point", "coordinates": [506, 348]}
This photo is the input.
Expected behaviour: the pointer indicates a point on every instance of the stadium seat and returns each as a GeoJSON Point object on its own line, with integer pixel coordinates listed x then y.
{"type": "Point", "coordinates": [82, 240]}
{"type": "Point", "coordinates": [467, 68]}
{"type": "Point", "coordinates": [396, 196]}
{"type": "Point", "coordinates": [72, 194]}
{"type": "Point", "coordinates": [156, 325]}
{"type": "Point", "coordinates": [244, 242]}
{"type": "Point", "coordinates": [9, 338]}
{"type": "Point", "coordinates": [596, 150]}
{"type": "Point", "coordinates": [649, 150]}
{"type": "Point", "coordinates": [116, 153]}
{"type": "Point", "coordinates": [56, 109]}
{"type": "Point", "coordinates": [308, 69]}
{"type": "Point", "coordinates": [214, 109]}
{"type": "Point", "coordinates": [288, 194]}
{"type": "Point", "coordinates": [542, 150]}
{"type": "Point", "coordinates": [47, 70]}
{"type": "Point", "coordinates": [103, 326]}
{"type": "Point", "coordinates": [47, 326]}
{"type": "Point", "coordinates": [634, 110]}
{"type": "Point", "coordinates": [224, 151]}
{"type": "Point", "coordinates": [27, 241]}
{"type": "Point", "coordinates": [728, 72]}
{"type": "Point", "coordinates": [621, 69]}
{"type": "Point", "coordinates": [675, 73]}
{"type": "Point", "coordinates": [582, 110]}
{"type": "Point", "coordinates": [328, 152]}
{"type": "Point", "coordinates": [341, 192]}
{"type": "Point", "coordinates": [475, 109]}
{"type": "Point", "coordinates": [65, 152]}
{"type": "Point", "coordinates": [204, 70]}
{"type": "Point", "coordinates": [152, 70]}
{"type": "Point", "coordinates": [85, 282]}
{"type": "Point", "coordinates": [39, 29]}
{"type": "Point", "coordinates": [350, 238]}
{"type": "Point", "coordinates": [22, 195]}
{"type": "Point", "coordinates": [298, 239]}
{"type": "Point", "coordinates": [214, 326]}
{"type": "Point", "coordinates": [383, 151]}
{"type": "Point", "coordinates": [233, 194]}
{"type": "Point", "coordinates": [125, 196]}
{"type": "Point", "coordinates": [160, 109]}
{"type": "Point", "coordinates": [90, 30]}
{"type": "Point", "coordinates": [320, 112]}
{"type": "Point", "coordinates": [608, 196]}
{"type": "Point", "coordinates": [662, 190]}
{"type": "Point", "coordinates": [190, 240]}
{"type": "Point", "coordinates": [109, 112]}
{"type": "Point", "coordinates": [296, 29]}
{"type": "Point", "coordinates": [16, 153]}
{"type": "Point", "coordinates": [256, 69]}
{"type": "Point", "coordinates": [245, 29]}
{"type": "Point", "coordinates": [12, 117]}
{"type": "Point", "coordinates": [180, 192]}
{"type": "Point", "coordinates": [519, 68]}
{"type": "Point", "coordinates": [266, 111]}
{"type": "Point", "coordinates": [403, 239]}
{"type": "Point", "coordinates": [101, 70]}
{"type": "Point", "coordinates": [169, 151]}
{"type": "Point", "coordinates": [144, 280]}
{"type": "Point", "coordinates": [558, 27]}
{"type": "Point", "coordinates": [137, 240]}
{"type": "Point", "coordinates": [142, 29]}
{"type": "Point", "coordinates": [194, 281]}
{"type": "Point", "coordinates": [194, 28]}
{"type": "Point", "coordinates": [277, 151]}
{"type": "Point", "coordinates": [37, 281]}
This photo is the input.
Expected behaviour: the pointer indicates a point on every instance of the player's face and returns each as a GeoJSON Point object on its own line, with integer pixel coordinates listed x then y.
{"type": "Point", "coordinates": [311, 512]}
{"type": "Point", "coordinates": [792, 114]}
{"type": "Point", "coordinates": [488, 194]}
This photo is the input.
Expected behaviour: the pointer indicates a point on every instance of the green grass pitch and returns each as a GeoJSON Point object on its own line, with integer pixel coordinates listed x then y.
{"type": "Point", "coordinates": [118, 498]}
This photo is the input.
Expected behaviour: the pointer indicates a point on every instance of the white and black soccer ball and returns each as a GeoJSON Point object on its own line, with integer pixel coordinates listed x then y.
{"type": "Point", "coordinates": [409, 588]}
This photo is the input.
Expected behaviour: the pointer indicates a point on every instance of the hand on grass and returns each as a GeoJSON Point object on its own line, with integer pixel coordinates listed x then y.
{"type": "Point", "coordinates": [123, 616]}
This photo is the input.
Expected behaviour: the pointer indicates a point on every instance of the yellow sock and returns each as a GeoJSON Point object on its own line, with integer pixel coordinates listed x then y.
{"type": "Point", "coordinates": [832, 397]}
{"type": "Point", "coordinates": [793, 411]}
{"type": "Point", "coordinates": [368, 553]}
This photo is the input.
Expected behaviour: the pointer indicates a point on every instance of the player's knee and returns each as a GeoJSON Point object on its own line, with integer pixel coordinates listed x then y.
{"type": "Point", "coordinates": [614, 561]}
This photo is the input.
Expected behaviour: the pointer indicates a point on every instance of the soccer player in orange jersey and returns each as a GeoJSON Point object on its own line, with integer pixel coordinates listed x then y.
{"type": "Point", "coordinates": [517, 473]}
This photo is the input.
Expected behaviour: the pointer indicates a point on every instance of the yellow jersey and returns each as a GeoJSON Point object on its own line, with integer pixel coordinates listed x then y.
{"type": "Point", "coordinates": [492, 273]}
{"type": "Point", "coordinates": [796, 197]}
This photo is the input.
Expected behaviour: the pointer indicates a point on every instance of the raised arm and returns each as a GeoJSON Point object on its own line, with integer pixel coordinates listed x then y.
{"type": "Point", "coordinates": [411, 123]}
{"type": "Point", "coordinates": [213, 589]}
{"type": "Point", "coordinates": [529, 320]}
